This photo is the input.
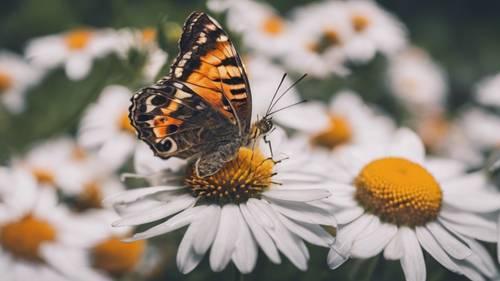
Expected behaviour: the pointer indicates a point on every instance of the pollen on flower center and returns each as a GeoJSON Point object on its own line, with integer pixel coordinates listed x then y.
{"type": "Point", "coordinates": [90, 197]}
{"type": "Point", "coordinates": [44, 176]}
{"type": "Point", "coordinates": [398, 191]}
{"type": "Point", "coordinates": [360, 22]}
{"type": "Point", "coordinates": [124, 123]}
{"type": "Point", "coordinates": [78, 39]}
{"type": "Point", "coordinates": [329, 38]}
{"type": "Point", "coordinates": [116, 257]}
{"type": "Point", "coordinates": [338, 132]}
{"type": "Point", "coordinates": [273, 25]}
{"type": "Point", "coordinates": [23, 238]}
{"type": "Point", "coordinates": [148, 35]}
{"type": "Point", "coordinates": [5, 82]}
{"type": "Point", "coordinates": [247, 176]}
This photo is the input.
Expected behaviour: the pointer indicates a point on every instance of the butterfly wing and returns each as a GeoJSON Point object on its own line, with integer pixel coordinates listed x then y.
{"type": "Point", "coordinates": [210, 65]}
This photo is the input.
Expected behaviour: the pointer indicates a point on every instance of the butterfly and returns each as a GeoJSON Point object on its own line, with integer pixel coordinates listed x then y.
{"type": "Point", "coordinates": [202, 109]}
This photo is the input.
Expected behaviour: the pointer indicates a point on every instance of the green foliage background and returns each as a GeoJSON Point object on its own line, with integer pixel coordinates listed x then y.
{"type": "Point", "coordinates": [461, 35]}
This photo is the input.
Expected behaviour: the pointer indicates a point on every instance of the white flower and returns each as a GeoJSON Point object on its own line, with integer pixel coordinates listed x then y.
{"type": "Point", "coordinates": [105, 126]}
{"type": "Point", "coordinates": [252, 202]}
{"type": "Point", "coordinates": [391, 198]}
{"type": "Point", "coordinates": [482, 128]}
{"type": "Point", "coordinates": [374, 30]}
{"type": "Point", "coordinates": [75, 50]}
{"type": "Point", "coordinates": [16, 77]}
{"type": "Point", "coordinates": [261, 27]}
{"type": "Point", "coordinates": [416, 80]}
{"type": "Point", "coordinates": [488, 91]}
{"type": "Point", "coordinates": [346, 120]}
{"type": "Point", "coordinates": [39, 239]}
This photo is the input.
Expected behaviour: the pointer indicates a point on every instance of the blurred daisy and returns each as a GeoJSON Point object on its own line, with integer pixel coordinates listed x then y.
{"type": "Point", "coordinates": [261, 27]}
{"type": "Point", "coordinates": [58, 163]}
{"type": "Point", "coordinates": [16, 77]}
{"type": "Point", "coordinates": [488, 91]}
{"type": "Point", "coordinates": [417, 81]}
{"type": "Point", "coordinates": [374, 30]}
{"type": "Point", "coordinates": [482, 128]}
{"type": "Point", "coordinates": [39, 239]}
{"type": "Point", "coordinates": [252, 202]}
{"type": "Point", "coordinates": [75, 50]}
{"type": "Point", "coordinates": [105, 127]}
{"type": "Point", "coordinates": [346, 120]}
{"type": "Point", "coordinates": [320, 34]}
{"type": "Point", "coordinates": [392, 199]}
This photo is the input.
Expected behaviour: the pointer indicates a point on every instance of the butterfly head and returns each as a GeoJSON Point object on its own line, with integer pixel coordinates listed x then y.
{"type": "Point", "coordinates": [264, 125]}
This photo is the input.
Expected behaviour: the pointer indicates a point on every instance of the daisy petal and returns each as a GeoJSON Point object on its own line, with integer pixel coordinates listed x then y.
{"type": "Point", "coordinates": [394, 250]}
{"type": "Point", "coordinates": [225, 239]}
{"type": "Point", "coordinates": [245, 251]}
{"type": "Point", "coordinates": [187, 258]}
{"type": "Point", "coordinates": [336, 259]}
{"type": "Point", "coordinates": [311, 233]}
{"type": "Point", "coordinates": [133, 195]}
{"type": "Point", "coordinates": [208, 224]}
{"type": "Point", "coordinates": [302, 212]}
{"type": "Point", "coordinates": [432, 247]}
{"type": "Point", "coordinates": [407, 145]}
{"type": "Point", "coordinates": [370, 245]}
{"type": "Point", "coordinates": [450, 244]}
{"type": "Point", "coordinates": [299, 195]}
{"type": "Point", "coordinates": [412, 260]}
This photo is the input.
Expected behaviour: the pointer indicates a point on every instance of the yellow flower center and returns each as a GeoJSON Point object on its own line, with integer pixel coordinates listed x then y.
{"type": "Point", "coordinates": [433, 130]}
{"type": "Point", "coordinates": [338, 132]}
{"type": "Point", "coordinates": [116, 257]}
{"type": "Point", "coordinates": [148, 35]}
{"type": "Point", "coordinates": [273, 25]}
{"type": "Point", "coordinates": [360, 22]}
{"type": "Point", "coordinates": [44, 176]}
{"type": "Point", "coordinates": [398, 191]}
{"type": "Point", "coordinates": [124, 123]}
{"type": "Point", "coordinates": [247, 176]}
{"type": "Point", "coordinates": [23, 238]}
{"type": "Point", "coordinates": [5, 81]}
{"type": "Point", "coordinates": [78, 39]}
{"type": "Point", "coordinates": [90, 198]}
{"type": "Point", "coordinates": [329, 38]}
{"type": "Point", "coordinates": [78, 154]}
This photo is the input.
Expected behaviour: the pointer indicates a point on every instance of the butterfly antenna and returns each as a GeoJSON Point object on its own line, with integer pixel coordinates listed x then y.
{"type": "Point", "coordinates": [288, 106]}
{"type": "Point", "coordinates": [288, 89]}
{"type": "Point", "coordinates": [275, 93]}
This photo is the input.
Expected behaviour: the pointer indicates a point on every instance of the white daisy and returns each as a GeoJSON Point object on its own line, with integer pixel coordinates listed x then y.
{"type": "Point", "coordinates": [16, 77]}
{"type": "Point", "coordinates": [105, 126]}
{"type": "Point", "coordinates": [392, 199]}
{"type": "Point", "coordinates": [346, 120]}
{"type": "Point", "coordinates": [252, 202]}
{"type": "Point", "coordinates": [39, 239]}
{"type": "Point", "coordinates": [58, 163]}
{"type": "Point", "coordinates": [488, 91]}
{"type": "Point", "coordinates": [261, 27]}
{"type": "Point", "coordinates": [374, 30]}
{"type": "Point", "coordinates": [75, 50]}
{"type": "Point", "coordinates": [482, 128]}
{"type": "Point", "coordinates": [417, 81]}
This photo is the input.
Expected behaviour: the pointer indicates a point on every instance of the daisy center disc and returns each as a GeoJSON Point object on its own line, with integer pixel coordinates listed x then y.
{"type": "Point", "coordinates": [90, 197]}
{"type": "Point", "coordinates": [360, 22]}
{"type": "Point", "coordinates": [23, 238]}
{"type": "Point", "coordinates": [329, 38]}
{"type": "Point", "coordinates": [117, 258]}
{"type": "Point", "coordinates": [338, 132]}
{"type": "Point", "coordinates": [5, 82]}
{"type": "Point", "coordinates": [44, 176]}
{"type": "Point", "coordinates": [78, 39]}
{"type": "Point", "coordinates": [399, 191]}
{"type": "Point", "coordinates": [247, 176]}
{"type": "Point", "coordinates": [148, 35]}
{"type": "Point", "coordinates": [273, 25]}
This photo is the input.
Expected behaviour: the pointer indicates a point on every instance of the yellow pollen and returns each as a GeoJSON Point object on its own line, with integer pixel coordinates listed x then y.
{"type": "Point", "coordinates": [148, 35]}
{"type": "Point", "coordinates": [338, 132]}
{"type": "Point", "coordinates": [5, 82]}
{"type": "Point", "coordinates": [44, 176]}
{"type": "Point", "coordinates": [433, 130]}
{"type": "Point", "coordinates": [329, 38]}
{"type": "Point", "coordinates": [247, 176]}
{"type": "Point", "coordinates": [78, 39]}
{"type": "Point", "coordinates": [90, 198]}
{"type": "Point", "coordinates": [23, 238]}
{"type": "Point", "coordinates": [360, 22]}
{"type": "Point", "coordinates": [124, 123]}
{"type": "Point", "coordinates": [117, 258]}
{"type": "Point", "coordinates": [399, 191]}
{"type": "Point", "coordinates": [78, 154]}
{"type": "Point", "coordinates": [273, 25]}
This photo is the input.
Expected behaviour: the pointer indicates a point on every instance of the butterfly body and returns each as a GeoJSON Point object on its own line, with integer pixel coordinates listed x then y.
{"type": "Point", "coordinates": [202, 109]}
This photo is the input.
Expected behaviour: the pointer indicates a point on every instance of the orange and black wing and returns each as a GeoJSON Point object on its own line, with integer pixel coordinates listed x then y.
{"type": "Point", "coordinates": [209, 64]}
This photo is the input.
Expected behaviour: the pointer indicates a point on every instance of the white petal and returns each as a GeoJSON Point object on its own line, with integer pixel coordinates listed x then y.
{"type": "Point", "coordinates": [187, 258]}
{"type": "Point", "coordinates": [263, 239]}
{"type": "Point", "coordinates": [167, 209]}
{"type": "Point", "coordinates": [498, 241]}
{"type": "Point", "coordinates": [175, 222]}
{"type": "Point", "coordinates": [303, 212]}
{"type": "Point", "coordinates": [430, 244]}
{"type": "Point", "coordinates": [481, 259]}
{"type": "Point", "coordinates": [370, 245]}
{"type": "Point", "coordinates": [348, 233]}
{"type": "Point", "coordinates": [255, 208]}
{"type": "Point", "coordinates": [136, 194]}
{"type": "Point", "coordinates": [78, 66]}
{"type": "Point", "coordinates": [412, 261]}
{"type": "Point", "coordinates": [299, 195]}
{"type": "Point", "coordinates": [450, 244]}
{"type": "Point", "coordinates": [407, 145]}
{"type": "Point", "coordinates": [482, 202]}
{"type": "Point", "coordinates": [470, 225]}
{"type": "Point", "coordinates": [347, 215]}
{"type": "Point", "coordinates": [394, 250]}
{"type": "Point", "coordinates": [311, 233]}
{"type": "Point", "coordinates": [245, 252]}
{"type": "Point", "coordinates": [208, 225]}
{"type": "Point", "coordinates": [225, 239]}
{"type": "Point", "coordinates": [443, 169]}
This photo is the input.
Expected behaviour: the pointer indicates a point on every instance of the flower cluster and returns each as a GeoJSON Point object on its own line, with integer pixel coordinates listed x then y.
{"type": "Point", "coordinates": [406, 176]}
